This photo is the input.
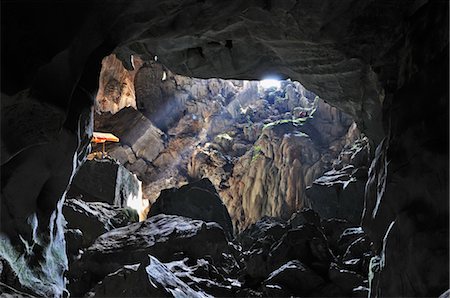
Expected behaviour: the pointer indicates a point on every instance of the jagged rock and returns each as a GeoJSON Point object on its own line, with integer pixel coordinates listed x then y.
{"type": "Point", "coordinates": [292, 279]}
{"type": "Point", "coordinates": [116, 85]}
{"type": "Point", "coordinates": [333, 229]}
{"type": "Point", "coordinates": [360, 292]}
{"type": "Point", "coordinates": [339, 193]}
{"type": "Point", "coordinates": [160, 95]}
{"type": "Point", "coordinates": [371, 59]}
{"type": "Point", "coordinates": [306, 244]}
{"type": "Point", "coordinates": [153, 280]}
{"type": "Point", "coordinates": [139, 167]}
{"type": "Point", "coordinates": [304, 216]}
{"type": "Point", "coordinates": [96, 218]}
{"type": "Point", "coordinates": [135, 130]}
{"type": "Point", "coordinates": [209, 162]}
{"type": "Point", "coordinates": [349, 236]}
{"type": "Point", "coordinates": [201, 274]}
{"type": "Point", "coordinates": [284, 156]}
{"type": "Point", "coordinates": [166, 237]}
{"type": "Point", "coordinates": [265, 227]}
{"type": "Point", "coordinates": [345, 279]}
{"type": "Point", "coordinates": [357, 249]}
{"type": "Point", "coordinates": [197, 200]}
{"type": "Point", "coordinates": [105, 181]}
{"type": "Point", "coordinates": [256, 242]}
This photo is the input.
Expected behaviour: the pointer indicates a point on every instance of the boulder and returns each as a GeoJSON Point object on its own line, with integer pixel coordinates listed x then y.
{"type": "Point", "coordinates": [292, 279]}
{"type": "Point", "coordinates": [167, 237]}
{"type": "Point", "coordinates": [345, 279]}
{"type": "Point", "coordinates": [267, 227]}
{"type": "Point", "coordinates": [197, 200]}
{"type": "Point", "coordinates": [96, 218]}
{"type": "Point", "coordinates": [339, 192]}
{"type": "Point", "coordinates": [306, 243]}
{"type": "Point", "coordinates": [304, 216]}
{"type": "Point", "coordinates": [349, 236]}
{"type": "Point", "coordinates": [154, 280]}
{"type": "Point", "coordinates": [104, 180]}
{"type": "Point", "coordinates": [134, 130]}
{"type": "Point", "coordinates": [208, 162]}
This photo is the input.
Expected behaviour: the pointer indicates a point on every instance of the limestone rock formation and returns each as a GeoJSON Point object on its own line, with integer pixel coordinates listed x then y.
{"type": "Point", "coordinates": [153, 280]}
{"type": "Point", "coordinates": [197, 200]}
{"type": "Point", "coordinates": [339, 193]}
{"type": "Point", "coordinates": [163, 236]}
{"type": "Point", "coordinates": [104, 180]}
{"type": "Point", "coordinates": [293, 278]}
{"type": "Point", "coordinates": [116, 85]}
{"type": "Point", "coordinates": [134, 130]}
{"type": "Point", "coordinates": [384, 63]}
{"type": "Point", "coordinates": [289, 258]}
{"type": "Point", "coordinates": [96, 218]}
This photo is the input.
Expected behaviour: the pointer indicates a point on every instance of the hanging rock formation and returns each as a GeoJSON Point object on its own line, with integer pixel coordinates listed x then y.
{"type": "Point", "coordinates": [116, 85]}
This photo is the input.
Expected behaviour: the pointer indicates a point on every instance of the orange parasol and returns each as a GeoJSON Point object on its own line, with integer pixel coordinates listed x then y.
{"type": "Point", "coordinates": [102, 138]}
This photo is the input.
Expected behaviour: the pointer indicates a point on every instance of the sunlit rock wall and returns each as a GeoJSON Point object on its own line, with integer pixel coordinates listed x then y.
{"type": "Point", "coordinates": [116, 85]}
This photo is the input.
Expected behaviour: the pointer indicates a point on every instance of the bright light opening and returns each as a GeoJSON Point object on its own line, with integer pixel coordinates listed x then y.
{"type": "Point", "coordinates": [269, 83]}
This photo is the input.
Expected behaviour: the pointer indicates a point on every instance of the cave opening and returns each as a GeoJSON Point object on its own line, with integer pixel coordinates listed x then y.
{"type": "Point", "coordinates": [260, 144]}
{"type": "Point", "coordinates": [240, 153]}
{"type": "Point", "coordinates": [205, 192]}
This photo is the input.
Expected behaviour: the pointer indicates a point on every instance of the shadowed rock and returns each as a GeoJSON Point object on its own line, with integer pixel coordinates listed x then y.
{"type": "Point", "coordinates": [197, 200]}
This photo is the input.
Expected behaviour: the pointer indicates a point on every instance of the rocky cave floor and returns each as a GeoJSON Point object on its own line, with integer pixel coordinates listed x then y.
{"type": "Point", "coordinates": [167, 255]}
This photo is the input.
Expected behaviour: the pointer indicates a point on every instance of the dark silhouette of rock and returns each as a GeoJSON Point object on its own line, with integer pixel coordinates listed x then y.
{"type": "Point", "coordinates": [96, 218]}
{"type": "Point", "coordinates": [197, 200]}
{"type": "Point", "coordinates": [292, 279]}
{"type": "Point", "coordinates": [104, 180]}
{"type": "Point", "coordinates": [339, 193]}
{"type": "Point", "coordinates": [345, 279]}
{"type": "Point", "coordinates": [139, 280]}
{"type": "Point", "coordinates": [167, 237]}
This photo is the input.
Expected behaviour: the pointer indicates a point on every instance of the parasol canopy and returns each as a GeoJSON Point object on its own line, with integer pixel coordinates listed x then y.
{"type": "Point", "coordinates": [102, 137]}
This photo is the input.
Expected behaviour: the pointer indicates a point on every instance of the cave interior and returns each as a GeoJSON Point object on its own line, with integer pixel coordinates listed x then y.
{"type": "Point", "coordinates": [254, 148]}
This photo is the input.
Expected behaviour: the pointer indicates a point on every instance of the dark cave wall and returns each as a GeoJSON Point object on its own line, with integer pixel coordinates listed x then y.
{"type": "Point", "coordinates": [385, 63]}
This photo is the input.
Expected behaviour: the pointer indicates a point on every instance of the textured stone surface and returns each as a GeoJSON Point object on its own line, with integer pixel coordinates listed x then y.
{"type": "Point", "coordinates": [162, 236]}
{"type": "Point", "coordinates": [339, 193]}
{"type": "Point", "coordinates": [104, 180]}
{"type": "Point", "coordinates": [96, 218]}
{"type": "Point", "coordinates": [134, 130]}
{"type": "Point", "coordinates": [197, 200]}
{"type": "Point", "coordinates": [292, 278]}
{"type": "Point", "coordinates": [153, 280]}
{"type": "Point", "coordinates": [116, 85]}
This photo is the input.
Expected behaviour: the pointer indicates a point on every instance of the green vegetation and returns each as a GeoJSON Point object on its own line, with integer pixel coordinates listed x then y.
{"type": "Point", "coordinates": [256, 152]}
